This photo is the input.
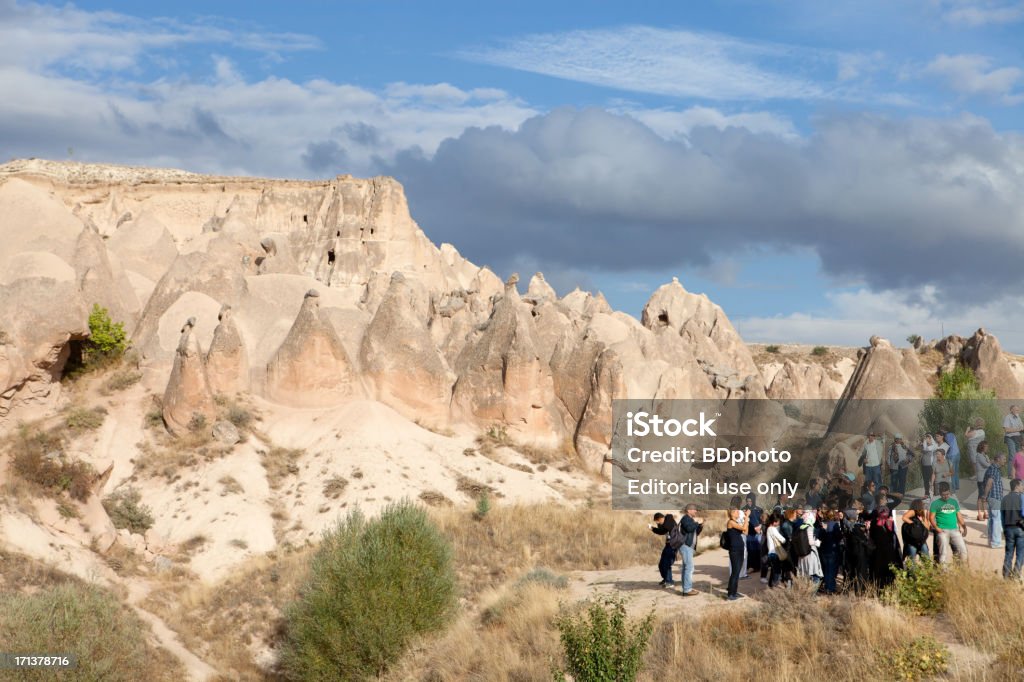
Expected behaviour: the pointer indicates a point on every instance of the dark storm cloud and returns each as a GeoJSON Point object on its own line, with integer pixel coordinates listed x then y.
{"type": "Point", "coordinates": [897, 202]}
{"type": "Point", "coordinates": [325, 157]}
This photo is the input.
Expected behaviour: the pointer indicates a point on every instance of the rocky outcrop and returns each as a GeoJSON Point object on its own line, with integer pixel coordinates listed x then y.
{"type": "Point", "coordinates": [399, 357]}
{"type": "Point", "coordinates": [312, 367]}
{"type": "Point", "coordinates": [227, 363]}
{"type": "Point", "coordinates": [983, 354]}
{"type": "Point", "coordinates": [710, 336]}
{"type": "Point", "coordinates": [885, 394]}
{"type": "Point", "coordinates": [188, 400]}
{"type": "Point", "coordinates": [501, 375]}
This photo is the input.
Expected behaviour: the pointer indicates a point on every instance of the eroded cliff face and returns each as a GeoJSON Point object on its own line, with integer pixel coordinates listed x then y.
{"type": "Point", "coordinates": [313, 294]}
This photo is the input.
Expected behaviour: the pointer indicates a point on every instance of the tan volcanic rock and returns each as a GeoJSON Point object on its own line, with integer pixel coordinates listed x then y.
{"type": "Point", "coordinates": [144, 245]}
{"type": "Point", "coordinates": [227, 363]}
{"type": "Point", "coordinates": [886, 392]}
{"type": "Point", "coordinates": [312, 367]}
{"type": "Point", "coordinates": [399, 356]}
{"type": "Point", "coordinates": [983, 354]}
{"type": "Point", "coordinates": [501, 377]}
{"type": "Point", "coordinates": [708, 332]}
{"type": "Point", "coordinates": [188, 392]}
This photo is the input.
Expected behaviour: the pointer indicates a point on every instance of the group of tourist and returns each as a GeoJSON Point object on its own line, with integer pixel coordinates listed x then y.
{"type": "Point", "coordinates": [834, 532]}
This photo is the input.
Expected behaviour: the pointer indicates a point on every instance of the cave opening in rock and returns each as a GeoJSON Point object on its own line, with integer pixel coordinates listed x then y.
{"type": "Point", "coordinates": [74, 362]}
{"type": "Point", "coordinates": [305, 219]}
{"type": "Point", "coordinates": [330, 257]}
{"type": "Point", "coordinates": [663, 319]}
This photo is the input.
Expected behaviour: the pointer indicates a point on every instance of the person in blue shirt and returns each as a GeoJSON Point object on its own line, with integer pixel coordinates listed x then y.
{"type": "Point", "coordinates": [953, 457]}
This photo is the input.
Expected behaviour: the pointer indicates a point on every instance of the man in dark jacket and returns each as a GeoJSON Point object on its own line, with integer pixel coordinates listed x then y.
{"type": "Point", "coordinates": [663, 525]}
{"type": "Point", "coordinates": [691, 526]}
{"type": "Point", "coordinates": [1012, 517]}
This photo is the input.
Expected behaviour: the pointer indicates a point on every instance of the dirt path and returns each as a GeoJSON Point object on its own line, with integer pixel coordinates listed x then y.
{"type": "Point", "coordinates": [196, 668]}
{"type": "Point", "coordinates": [640, 585]}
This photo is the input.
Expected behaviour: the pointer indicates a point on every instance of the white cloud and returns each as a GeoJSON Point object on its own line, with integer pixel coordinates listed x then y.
{"type": "Point", "coordinates": [972, 74]}
{"type": "Point", "coordinates": [35, 36]}
{"type": "Point", "coordinates": [855, 316]}
{"type": "Point", "coordinates": [976, 13]}
{"type": "Point", "coordinates": [673, 124]}
{"type": "Point", "coordinates": [671, 62]}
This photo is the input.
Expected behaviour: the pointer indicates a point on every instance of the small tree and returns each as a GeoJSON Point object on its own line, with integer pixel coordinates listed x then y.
{"type": "Point", "coordinates": [601, 644]}
{"type": "Point", "coordinates": [125, 509]}
{"type": "Point", "coordinates": [107, 339]}
{"type": "Point", "coordinates": [373, 586]}
{"type": "Point", "coordinates": [914, 340]}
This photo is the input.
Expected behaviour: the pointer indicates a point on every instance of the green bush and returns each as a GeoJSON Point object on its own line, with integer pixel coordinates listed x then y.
{"type": "Point", "coordinates": [108, 640]}
{"type": "Point", "coordinates": [107, 339]}
{"type": "Point", "coordinates": [125, 509]}
{"type": "Point", "coordinates": [914, 339]}
{"type": "Point", "coordinates": [600, 644]}
{"type": "Point", "coordinates": [483, 505]}
{"type": "Point", "coordinates": [918, 587]}
{"type": "Point", "coordinates": [918, 659]}
{"type": "Point", "coordinates": [958, 400]}
{"type": "Point", "coordinates": [819, 351]}
{"type": "Point", "coordinates": [373, 586]}
{"type": "Point", "coordinates": [771, 349]}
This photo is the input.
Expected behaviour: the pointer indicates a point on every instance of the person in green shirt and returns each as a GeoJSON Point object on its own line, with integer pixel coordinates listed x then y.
{"type": "Point", "coordinates": [946, 518]}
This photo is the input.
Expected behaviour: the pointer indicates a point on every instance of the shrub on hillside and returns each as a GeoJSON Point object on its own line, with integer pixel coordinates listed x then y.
{"type": "Point", "coordinates": [921, 658]}
{"type": "Point", "coordinates": [85, 419]}
{"type": "Point", "coordinates": [918, 587]}
{"type": "Point", "coordinates": [772, 349]}
{"type": "Point", "coordinates": [374, 584]}
{"type": "Point", "coordinates": [108, 640]}
{"type": "Point", "coordinates": [38, 458]}
{"type": "Point", "coordinates": [125, 509]}
{"type": "Point", "coordinates": [601, 644]}
{"type": "Point", "coordinates": [819, 351]}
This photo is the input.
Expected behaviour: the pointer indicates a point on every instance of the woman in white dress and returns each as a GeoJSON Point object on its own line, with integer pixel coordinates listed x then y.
{"type": "Point", "coordinates": [810, 565]}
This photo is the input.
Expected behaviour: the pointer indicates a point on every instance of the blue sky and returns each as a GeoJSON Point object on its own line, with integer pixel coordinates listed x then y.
{"type": "Point", "coordinates": [824, 171]}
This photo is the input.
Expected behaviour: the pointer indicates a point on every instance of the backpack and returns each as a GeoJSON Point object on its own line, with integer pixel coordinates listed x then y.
{"type": "Point", "coordinates": [723, 540]}
{"type": "Point", "coordinates": [675, 536]}
{"type": "Point", "coordinates": [917, 534]}
{"type": "Point", "coordinates": [801, 545]}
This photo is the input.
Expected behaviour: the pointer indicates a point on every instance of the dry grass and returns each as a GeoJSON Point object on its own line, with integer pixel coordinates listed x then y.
{"type": "Point", "coordinates": [280, 463]}
{"type": "Point", "coordinates": [511, 638]}
{"type": "Point", "coordinates": [227, 623]}
{"type": "Point", "coordinates": [790, 636]}
{"type": "Point", "coordinates": [513, 539]}
{"type": "Point", "coordinates": [21, 574]}
{"type": "Point", "coordinates": [984, 611]}
{"type": "Point", "coordinates": [120, 380]}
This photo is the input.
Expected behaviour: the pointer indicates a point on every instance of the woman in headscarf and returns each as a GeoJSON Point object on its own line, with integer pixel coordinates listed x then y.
{"type": "Point", "coordinates": [809, 566]}
{"type": "Point", "coordinates": [887, 547]}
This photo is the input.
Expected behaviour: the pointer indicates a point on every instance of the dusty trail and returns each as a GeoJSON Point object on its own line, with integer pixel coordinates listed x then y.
{"type": "Point", "coordinates": [197, 669]}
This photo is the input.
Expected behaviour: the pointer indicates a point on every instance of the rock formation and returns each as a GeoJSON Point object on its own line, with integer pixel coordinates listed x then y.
{"type": "Point", "coordinates": [400, 358]}
{"type": "Point", "coordinates": [227, 363]}
{"type": "Point", "coordinates": [501, 375]}
{"type": "Point", "coordinates": [709, 334]}
{"type": "Point", "coordinates": [397, 319]}
{"type": "Point", "coordinates": [188, 400]}
{"type": "Point", "coordinates": [312, 367]}
{"type": "Point", "coordinates": [983, 354]}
